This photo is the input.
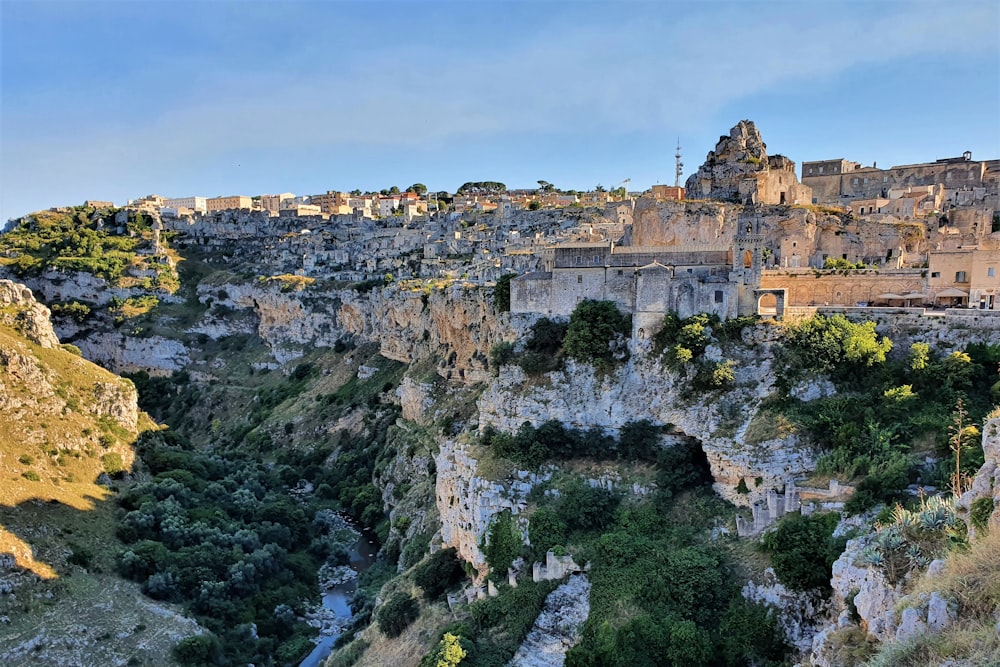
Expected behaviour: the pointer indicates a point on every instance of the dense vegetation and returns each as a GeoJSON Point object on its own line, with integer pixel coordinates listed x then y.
{"type": "Point", "coordinates": [682, 344]}
{"type": "Point", "coordinates": [75, 240]}
{"type": "Point", "coordinates": [597, 334]}
{"type": "Point", "coordinates": [887, 409]}
{"type": "Point", "coordinates": [228, 532]}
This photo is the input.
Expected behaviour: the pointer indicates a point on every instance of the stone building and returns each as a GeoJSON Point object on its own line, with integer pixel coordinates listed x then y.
{"type": "Point", "coordinates": [739, 170]}
{"type": "Point", "coordinates": [236, 202]}
{"type": "Point", "coordinates": [833, 181]}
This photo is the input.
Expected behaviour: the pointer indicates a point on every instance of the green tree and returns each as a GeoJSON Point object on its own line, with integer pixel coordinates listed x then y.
{"type": "Point", "coordinates": [418, 188]}
{"type": "Point", "coordinates": [690, 646]}
{"type": "Point", "coordinates": [438, 573]}
{"type": "Point", "coordinates": [198, 651]}
{"type": "Point", "coordinates": [803, 550]}
{"type": "Point", "coordinates": [503, 543]}
{"type": "Point", "coordinates": [825, 343]}
{"type": "Point", "coordinates": [597, 333]}
{"type": "Point", "coordinates": [546, 530]}
{"type": "Point", "coordinates": [750, 635]}
{"type": "Point", "coordinates": [396, 614]}
{"type": "Point", "coordinates": [501, 293]}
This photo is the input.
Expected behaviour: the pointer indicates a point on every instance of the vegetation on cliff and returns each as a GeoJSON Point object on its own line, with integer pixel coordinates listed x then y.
{"type": "Point", "coordinates": [83, 239]}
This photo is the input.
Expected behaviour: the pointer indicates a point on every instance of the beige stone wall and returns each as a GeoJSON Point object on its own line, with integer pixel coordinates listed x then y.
{"type": "Point", "coordinates": [819, 288]}
{"type": "Point", "coordinates": [226, 203]}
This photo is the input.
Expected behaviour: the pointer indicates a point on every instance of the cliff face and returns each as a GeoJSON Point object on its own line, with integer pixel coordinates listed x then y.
{"type": "Point", "coordinates": [467, 502]}
{"type": "Point", "coordinates": [60, 415]}
{"type": "Point", "coordinates": [458, 326]}
{"type": "Point", "coordinates": [20, 311]}
{"type": "Point", "coordinates": [644, 389]}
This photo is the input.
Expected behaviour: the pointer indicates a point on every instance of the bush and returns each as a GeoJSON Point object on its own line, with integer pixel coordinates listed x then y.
{"type": "Point", "coordinates": [112, 463]}
{"type": "Point", "coordinates": [503, 543]}
{"type": "Point", "coordinates": [501, 293]}
{"type": "Point", "coordinates": [597, 334]}
{"type": "Point", "coordinates": [750, 635]}
{"type": "Point", "coordinates": [198, 651]}
{"type": "Point", "coordinates": [585, 507]}
{"type": "Point", "coordinates": [501, 354]}
{"type": "Point", "coordinates": [824, 344]}
{"type": "Point", "coordinates": [803, 550]}
{"type": "Point", "coordinates": [639, 441]}
{"type": "Point", "coordinates": [545, 530]}
{"type": "Point", "coordinates": [438, 573]}
{"type": "Point", "coordinates": [980, 512]}
{"type": "Point", "coordinates": [396, 614]}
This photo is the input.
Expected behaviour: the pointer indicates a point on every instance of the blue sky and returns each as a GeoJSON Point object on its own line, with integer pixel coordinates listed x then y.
{"type": "Point", "coordinates": [115, 100]}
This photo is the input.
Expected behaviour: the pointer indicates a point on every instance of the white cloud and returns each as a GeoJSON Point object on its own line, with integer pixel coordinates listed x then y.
{"type": "Point", "coordinates": [635, 74]}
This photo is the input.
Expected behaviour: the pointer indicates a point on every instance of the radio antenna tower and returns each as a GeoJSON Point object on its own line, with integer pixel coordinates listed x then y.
{"type": "Point", "coordinates": [679, 169]}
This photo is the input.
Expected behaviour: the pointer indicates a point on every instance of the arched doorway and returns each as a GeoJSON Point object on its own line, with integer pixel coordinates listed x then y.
{"type": "Point", "coordinates": [767, 305]}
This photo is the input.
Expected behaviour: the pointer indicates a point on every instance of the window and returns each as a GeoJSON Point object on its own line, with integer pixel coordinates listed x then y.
{"type": "Point", "coordinates": [820, 170]}
{"type": "Point", "coordinates": [990, 272]}
{"type": "Point", "coordinates": [960, 277]}
{"type": "Point", "coordinates": [855, 180]}
{"type": "Point", "coordinates": [579, 279]}
{"type": "Point", "coordinates": [718, 296]}
{"type": "Point", "coordinates": [885, 179]}
{"type": "Point", "coordinates": [620, 272]}
{"type": "Point", "coordinates": [935, 274]}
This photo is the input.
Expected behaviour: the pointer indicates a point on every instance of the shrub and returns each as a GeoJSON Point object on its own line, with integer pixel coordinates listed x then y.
{"type": "Point", "coordinates": [112, 463]}
{"type": "Point", "coordinates": [448, 653]}
{"type": "Point", "coordinates": [980, 512]}
{"type": "Point", "coordinates": [803, 550]}
{"type": "Point", "coordinates": [501, 354]}
{"type": "Point", "coordinates": [198, 651]}
{"type": "Point", "coordinates": [639, 440]}
{"type": "Point", "coordinates": [585, 507]}
{"type": "Point", "coordinates": [503, 543]}
{"type": "Point", "coordinates": [750, 634]}
{"type": "Point", "coordinates": [438, 573]}
{"type": "Point", "coordinates": [824, 344]}
{"type": "Point", "coordinates": [73, 309]}
{"type": "Point", "coordinates": [396, 614]}
{"type": "Point", "coordinates": [31, 476]}
{"type": "Point", "coordinates": [597, 333]}
{"type": "Point", "coordinates": [501, 293]}
{"type": "Point", "coordinates": [545, 530]}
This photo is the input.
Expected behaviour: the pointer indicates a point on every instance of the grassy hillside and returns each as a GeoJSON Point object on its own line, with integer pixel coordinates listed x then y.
{"type": "Point", "coordinates": [65, 422]}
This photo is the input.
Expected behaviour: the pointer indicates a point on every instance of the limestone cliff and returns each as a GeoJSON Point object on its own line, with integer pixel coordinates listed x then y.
{"type": "Point", "coordinates": [644, 389]}
{"type": "Point", "coordinates": [467, 501]}
{"type": "Point", "coordinates": [740, 153]}
{"type": "Point", "coordinates": [456, 326]}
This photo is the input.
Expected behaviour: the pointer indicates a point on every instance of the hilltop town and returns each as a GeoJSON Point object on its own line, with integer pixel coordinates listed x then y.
{"type": "Point", "coordinates": [507, 390]}
{"type": "Point", "coordinates": [744, 236]}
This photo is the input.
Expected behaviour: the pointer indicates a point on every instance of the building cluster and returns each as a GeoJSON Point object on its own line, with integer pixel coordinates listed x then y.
{"type": "Point", "coordinates": [409, 206]}
{"type": "Point", "coordinates": [746, 236]}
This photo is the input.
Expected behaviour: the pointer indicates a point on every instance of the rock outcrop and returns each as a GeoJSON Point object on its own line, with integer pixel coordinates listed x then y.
{"type": "Point", "coordinates": [798, 613]}
{"type": "Point", "coordinates": [467, 502]}
{"type": "Point", "coordinates": [741, 153]}
{"type": "Point", "coordinates": [20, 311]}
{"type": "Point", "coordinates": [986, 483]}
{"type": "Point", "coordinates": [644, 389]}
{"type": "Point", "coordinates": [557, 628]}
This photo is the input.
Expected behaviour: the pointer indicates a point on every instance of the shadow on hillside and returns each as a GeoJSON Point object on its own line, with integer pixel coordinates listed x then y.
{"type": "Point", "coordinates": [55, 528]}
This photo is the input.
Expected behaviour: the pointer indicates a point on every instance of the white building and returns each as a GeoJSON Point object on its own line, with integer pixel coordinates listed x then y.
{"type": "Point", "coordinates": [194, 203]}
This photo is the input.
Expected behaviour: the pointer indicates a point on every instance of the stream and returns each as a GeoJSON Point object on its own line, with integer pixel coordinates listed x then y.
{"type": "Point", "coordinates": [338, 598]}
